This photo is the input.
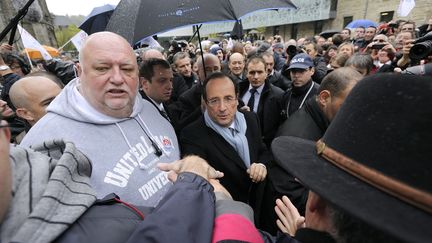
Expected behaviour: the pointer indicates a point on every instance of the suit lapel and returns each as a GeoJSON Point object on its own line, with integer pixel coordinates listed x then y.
{"type": "Point", "coordinates": [225, 148]}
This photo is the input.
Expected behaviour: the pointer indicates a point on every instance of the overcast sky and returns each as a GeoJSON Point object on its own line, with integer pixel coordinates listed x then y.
{"type": "Point", "coordinates": [76, 7]}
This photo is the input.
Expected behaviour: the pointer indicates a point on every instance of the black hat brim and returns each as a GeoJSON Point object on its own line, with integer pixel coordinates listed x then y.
{"type": "Point", "coordinates": [353, 196]}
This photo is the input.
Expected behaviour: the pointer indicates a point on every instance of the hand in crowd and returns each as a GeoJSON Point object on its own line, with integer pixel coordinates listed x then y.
{"type": "Point", "coordinates": [245, 108]}
{"type": "Point", "coordinates": [405, 53]}
{"type": "Point", "coordinates": [193, 164]}
{"type": "Point", "coordinates": [257, 172]}
{"type": "Point", "coordinates": [289, 218]}
{"type": "Point", "coordinates": [219, 188]}
{"type": "Point", "coordinates": [389, 47]}
{"type": "Point", "coordinates": [5, 48]}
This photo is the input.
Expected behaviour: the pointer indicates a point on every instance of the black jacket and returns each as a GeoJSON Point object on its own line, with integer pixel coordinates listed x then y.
{"type": "Point", "coordinates": [278, 80]}
{"type": "Point", "coordinates": [179, 87]}
{"type": "Point", "coordinates": [309, 123]}
{"type": "Point", "coordinates": [268, 109]}
{"type": "Point", "coordinates": [320, 69]}
{"type": "Point", "coordinates": [187, 108]}
{"type": "Point", "coordinates": [293, 97]}
{"type": "Point", "coordinates": [198, 139]}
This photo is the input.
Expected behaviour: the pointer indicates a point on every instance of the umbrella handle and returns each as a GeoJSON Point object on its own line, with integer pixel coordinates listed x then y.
{"type": "Point", "coordinates": [202, 51]}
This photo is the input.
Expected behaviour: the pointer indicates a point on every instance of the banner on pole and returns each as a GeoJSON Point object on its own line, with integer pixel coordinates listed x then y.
{"type": "Point", "coordinates": [405, 7]}
{"type": "Point", "coordinates": [30, 42]}
{"type": "Point", "coordinates": [78, 39]}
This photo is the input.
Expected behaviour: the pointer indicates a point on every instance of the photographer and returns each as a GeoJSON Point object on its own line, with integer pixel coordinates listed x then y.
{"type": "Point", "coordinates": [415, 52]}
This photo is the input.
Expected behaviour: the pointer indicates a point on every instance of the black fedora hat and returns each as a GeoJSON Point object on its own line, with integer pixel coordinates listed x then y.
{"type": "Point", "coordinates": [375, 159]}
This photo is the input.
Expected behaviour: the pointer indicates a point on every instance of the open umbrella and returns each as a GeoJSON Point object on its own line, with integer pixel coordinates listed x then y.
{"type": "Point", "coordinates": [361, 22]}
{"type": "Point", "coordinates": [136, 19]}
{"type": "Point", "coordinates": [98, 19]}
{"type": "Point", "coordinates": [35, 54]}
{"type": "Point", "coordinates": [329, 33]}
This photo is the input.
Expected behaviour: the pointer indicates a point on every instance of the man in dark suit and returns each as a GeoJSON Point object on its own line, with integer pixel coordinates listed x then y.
{"type": "Point", "coordinates": [188, 107]}
{"type": "Point", "coordinates": [261, 97]}
{"type": "Point", "coordinates": [228, 139]}
{"type": "Point", "coordinates": [156, 78]}
{"type": "Point", "coordinates": [275, 77]}
{"type": "Point", "coordinates": [179, 83]}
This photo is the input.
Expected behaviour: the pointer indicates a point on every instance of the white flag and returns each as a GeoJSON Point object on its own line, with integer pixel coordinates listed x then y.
{"type": "Point", "coordinates": [30, 42]}
{"type": "Point", "coordinates": [78, 39]}
{"type": "Point", "coordinates": [150, 41]}
{"type": "Point", "coordinates": [405, 7]}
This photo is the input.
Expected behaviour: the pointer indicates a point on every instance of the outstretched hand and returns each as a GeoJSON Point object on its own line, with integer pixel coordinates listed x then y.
{"type": "Point", "coordinates": [193, 164]}
{"type": "Point", "coordinates": [289, 218]}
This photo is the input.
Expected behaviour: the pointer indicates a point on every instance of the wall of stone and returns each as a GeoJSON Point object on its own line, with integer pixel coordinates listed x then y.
{"type": "Point", "coordinates": [42, 30]}
{"type": "Point", "coordinates": [359, 9]}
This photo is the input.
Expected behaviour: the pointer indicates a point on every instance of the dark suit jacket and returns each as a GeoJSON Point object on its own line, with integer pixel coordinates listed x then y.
{"type": "Point", "coordinates": [187, 108]}
{"type": "Point", "coordinates": [268, 109]}
{"type": "Point", "coordinates": [198, 139]}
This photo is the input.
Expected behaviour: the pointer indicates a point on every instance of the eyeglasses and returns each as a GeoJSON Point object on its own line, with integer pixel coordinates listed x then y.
{"type": "Point", "coordinates": [229, 100]}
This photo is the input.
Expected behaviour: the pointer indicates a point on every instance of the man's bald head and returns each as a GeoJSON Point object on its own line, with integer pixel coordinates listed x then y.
{"type": "Point", "coordinates": [108, 74]}
{"type": "Point", "coordinates": [211, 63]}
{"type": "Point", "coordinates": [31, 96]}
{"type": "Point", "coordinates": [152, 54]}
{"type": "Point", "coordinates": [105, 38]}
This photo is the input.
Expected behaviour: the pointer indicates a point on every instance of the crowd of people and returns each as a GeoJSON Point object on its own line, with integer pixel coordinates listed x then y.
{"type": "Point", "coordinates": [309, 140]}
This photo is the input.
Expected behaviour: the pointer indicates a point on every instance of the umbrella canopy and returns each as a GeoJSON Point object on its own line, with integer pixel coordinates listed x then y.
{"type": "Point", "coordinates": [361, 22]}
{"type": "Point", "coordinates": [35, 54]}
{"type": "Point", "coordinates": [136, 19]}
{"type": "Point", "coordinates": [98, 19]}
{"type": "Point", "coordinates": [329, 33]}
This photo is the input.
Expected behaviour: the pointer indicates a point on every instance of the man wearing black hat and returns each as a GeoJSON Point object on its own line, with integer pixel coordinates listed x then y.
{"type": "Point", "coordinates": [310, 122]}
{"type": "Point", "coordinates": [303, 87]}
{"type": "Point", "coordinates": [369, 175]}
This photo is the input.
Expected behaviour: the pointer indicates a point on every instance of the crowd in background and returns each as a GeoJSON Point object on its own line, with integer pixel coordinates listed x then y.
{"type": "Point", "coordinates": [291, 87]}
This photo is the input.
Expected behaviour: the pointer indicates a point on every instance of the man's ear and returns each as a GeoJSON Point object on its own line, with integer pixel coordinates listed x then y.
{"type": "Point", "coordinates": [144, 83]}
{"type": "Point", "coordinates": [312, 70]}
{"type": "Point", "coordinates": [324, 98]}
{"type": "Point", "coordinates": [79, 69]}
{"type": "Point", "coordinates": [25, 114]}
{"type": "Point", "coordinates": [315, 203]}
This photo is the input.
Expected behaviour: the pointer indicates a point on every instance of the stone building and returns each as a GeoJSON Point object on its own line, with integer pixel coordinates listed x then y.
{"type": "Point", "coordinates": [38, 21]}
{"type": "Point", "coordinates": [315, 16]}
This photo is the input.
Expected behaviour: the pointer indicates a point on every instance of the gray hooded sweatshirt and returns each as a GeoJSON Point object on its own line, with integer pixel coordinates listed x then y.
{"type": "Point", "coordinates": [123, 151]}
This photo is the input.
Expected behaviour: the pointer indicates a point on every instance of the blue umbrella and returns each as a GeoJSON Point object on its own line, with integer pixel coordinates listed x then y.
{"type": "Point", "coordinates": [361, 22]}
{"type": "Point", "coordinates": [98, 19]}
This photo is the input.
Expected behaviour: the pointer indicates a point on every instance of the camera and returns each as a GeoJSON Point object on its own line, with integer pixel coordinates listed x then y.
{"type": "Point", "coordinates": [292, 50]}
{"type": "Point", "coordinates": [393, 25]}
{"type": "Point", "coordinates": [377, 46]}
{"type": "Point", "coordinates": [422, 47]}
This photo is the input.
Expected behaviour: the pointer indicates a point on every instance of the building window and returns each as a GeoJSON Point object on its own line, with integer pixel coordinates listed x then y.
{"type": "Point", "coordinates": [318, 25]}
{"type": "Point", "coordinates": [386, 16]}
{"type": "Point", "coordinates": [347, 20]}
{"type": "Point", "coordinates": [276, 30]}
{"type": "Point", "coordinates": [294, 31]}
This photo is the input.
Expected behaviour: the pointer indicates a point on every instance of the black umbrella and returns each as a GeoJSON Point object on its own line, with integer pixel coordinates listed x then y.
{"type": "Point", "coordinates": [136, 19]}
{"type": "Point", "coordinates": [329, 33]}
{"type": "Point", "coordinates": [98, 19]}
{"type": "Point", "coordinates": [237, 31]}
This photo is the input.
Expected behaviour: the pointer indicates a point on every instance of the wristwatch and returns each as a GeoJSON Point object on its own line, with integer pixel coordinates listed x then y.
{"type": "Point", "coordinates": [4, 67]}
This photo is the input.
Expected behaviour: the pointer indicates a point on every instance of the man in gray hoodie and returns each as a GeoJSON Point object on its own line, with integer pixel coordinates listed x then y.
{"type": "Point", "coordinates": [123, 136]}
